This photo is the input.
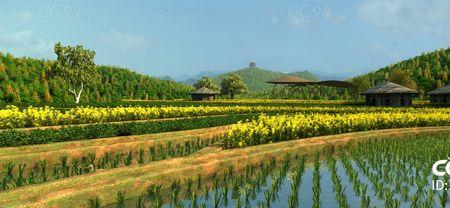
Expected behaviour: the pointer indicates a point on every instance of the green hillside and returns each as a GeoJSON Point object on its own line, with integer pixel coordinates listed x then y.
{"type": "Point", "coordinates": [428, 71]}
{"type": "Point", "coordinates": [26, 81]}
{"type": "Point", "coordinates": [255, 78]}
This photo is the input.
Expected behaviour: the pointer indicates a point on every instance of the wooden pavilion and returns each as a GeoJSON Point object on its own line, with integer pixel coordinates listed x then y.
{"type": "Point", "coordinates": [440, 96]}
{"type": "Point", "coordinates": [389, 94]}
{"type": "Point", "coordinates": [203, 94]}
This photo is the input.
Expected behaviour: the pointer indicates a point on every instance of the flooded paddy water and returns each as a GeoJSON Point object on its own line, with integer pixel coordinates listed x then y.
{"type": "Point", "coordinates": [384, 172]}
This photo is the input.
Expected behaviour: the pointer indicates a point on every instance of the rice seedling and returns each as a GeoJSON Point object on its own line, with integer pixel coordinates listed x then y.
{"type": "Point", "coordinates": [199, 182]}
{"type": "Point", "coordinates": [94, 202]}
{"type": "Point", "coordinates": [188, 183]}
{"type": "Point", "coordinates": [316, 182]}
{"type": "Point", "coordinates": [141, 156]}
{"type": "Point", "coordinates": [20, 180]}
{"type": "Point", "coordinates": [337, 184]}
{"type": "Point", "coordinates": [154, 195]}
{"type": "Point", "coordinates": [139, 202]}
{"type": "Point", "coordinates": [174, 192]}
{"type": "Point", "coordinates": [75, 169]}
{"type": "Point", "coordinates": [88, 164]}
{"type": "Point", "coordinates": [64, 166]}
{"type": "Point", "coordinates": [193, 200]}
{"type": "Point", "coordinates": [43, 166]}
{"type": "Point", "coordinates": [120, 199]}
{"type": "Point", "coordinates": [128, 159]}
{"type": "Point", "coordinates": [152, 153]}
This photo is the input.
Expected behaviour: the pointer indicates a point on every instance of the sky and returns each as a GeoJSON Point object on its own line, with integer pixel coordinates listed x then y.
{"type": "Point", "coordinates": [182, 38]}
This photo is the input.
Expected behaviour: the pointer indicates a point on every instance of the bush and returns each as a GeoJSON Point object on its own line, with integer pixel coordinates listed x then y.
{"type": "Point", "coordinates": [11, 137]}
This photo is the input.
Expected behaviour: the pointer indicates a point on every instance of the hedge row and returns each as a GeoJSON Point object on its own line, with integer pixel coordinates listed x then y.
{"type": "Point", "coordinates": [11, 137]}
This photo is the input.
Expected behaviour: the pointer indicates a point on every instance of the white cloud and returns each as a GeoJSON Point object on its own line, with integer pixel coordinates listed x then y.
{"type": "Point", "coordinates": [24, 42]}
{"type": "Point", "coordinates": [125, 41]}
{"type": "Point", "coordinates": [23, 15]}
{"type": "Point", "coordinates": [408, 16]}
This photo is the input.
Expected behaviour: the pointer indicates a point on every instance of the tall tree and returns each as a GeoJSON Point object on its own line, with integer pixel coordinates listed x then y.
{"type": "Point", "coordinates": [206, 82]}
{"type": "Point", "coordinates": [402, 77]}
{"type": "Point", "coordinates": [232, 85]}
{"type": "Point", "coordinates": [76, 66]}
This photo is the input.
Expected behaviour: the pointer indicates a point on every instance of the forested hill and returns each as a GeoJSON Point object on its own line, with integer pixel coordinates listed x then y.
{"type": "Point", "coordinates": [427, 71]}
{"type": "Point", "coordinates": [26, 81]}
{"type": "Point", "coordinates": [255, 78]}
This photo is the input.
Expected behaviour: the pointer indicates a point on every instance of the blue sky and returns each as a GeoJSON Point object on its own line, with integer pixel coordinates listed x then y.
{"type": "Point", "coordinates": [182, 38]}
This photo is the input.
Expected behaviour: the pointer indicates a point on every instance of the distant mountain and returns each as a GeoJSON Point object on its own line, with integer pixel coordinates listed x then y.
{"type": "Point", "coordinates": [192, 79]}
{"type": "Point", "coordinates": [328, 76]}
{"type": "Point", "coordinates": [428, 70]}
{"type": "Point", "coordinates": [255, 78]}
{"type": "Point", "coordinates": [167, 78]}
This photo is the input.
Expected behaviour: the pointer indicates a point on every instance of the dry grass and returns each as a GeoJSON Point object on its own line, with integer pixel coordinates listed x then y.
{"type": "Point", "coordinates": [74, 191]}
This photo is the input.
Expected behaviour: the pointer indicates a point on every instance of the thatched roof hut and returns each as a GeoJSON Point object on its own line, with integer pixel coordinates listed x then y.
{"type": "Point", "coordinates": [389, 94]}
{"type": "Point", "coordinates": [440, 95]}
{"type": "Point", "coordinates": [389, 88]}
{"type": "Point", "coordinates": [203, 93]}
{"type": "Point", "coordinates": [440, 91]}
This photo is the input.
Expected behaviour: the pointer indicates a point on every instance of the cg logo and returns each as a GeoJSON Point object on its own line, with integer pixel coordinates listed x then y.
{"type": "Point", "coordinates": [438, 171]}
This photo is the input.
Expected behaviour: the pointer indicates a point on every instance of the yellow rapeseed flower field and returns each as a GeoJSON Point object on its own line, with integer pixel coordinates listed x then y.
{"type": "Point", "coordinates": [13, 117]}
{"type": "Point", "coordinates": [268, 129]}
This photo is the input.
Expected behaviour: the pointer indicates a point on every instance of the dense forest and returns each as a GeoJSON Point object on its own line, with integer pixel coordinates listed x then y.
{"type": "Point", "coordinates": [26, 81]}
{"type": "Point", "coordinates": [426, 71]}
{"type": "Point", "coordinates": [255, 78]}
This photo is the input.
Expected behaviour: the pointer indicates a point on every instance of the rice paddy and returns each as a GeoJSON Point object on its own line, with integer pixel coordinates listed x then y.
{"type": "Point", "coordinates": [371, 173]}
{"type": "Point", "coordinates": [102, 187]}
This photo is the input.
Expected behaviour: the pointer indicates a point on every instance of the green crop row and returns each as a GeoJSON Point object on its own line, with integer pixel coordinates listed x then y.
{"type": "Point", "coordinates": [12, 137]}
{"type": "Point", "coordinates": [13, 175]}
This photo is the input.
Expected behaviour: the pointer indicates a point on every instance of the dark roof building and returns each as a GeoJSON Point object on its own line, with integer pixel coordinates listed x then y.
{"type": "Point", "coordinates": [203, 94]}
{"type": "Point", "coordinates": [294, 83]}
{"type": "Point", "coordinates": [289, 80]}
{"type": "Point", "coordinates": [389, 94]}
{"type": "Point", "coordinates": [440, 96]}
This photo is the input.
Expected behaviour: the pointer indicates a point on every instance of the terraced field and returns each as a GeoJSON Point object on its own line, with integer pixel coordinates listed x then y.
{"type": "Point", "coordinates": [121, 144]}
{"type": "Point", "coordinates": [157, 162]}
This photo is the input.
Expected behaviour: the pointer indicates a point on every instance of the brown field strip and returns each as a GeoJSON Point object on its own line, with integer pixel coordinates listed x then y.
{"type": "Point", "coordinates": [75, 191]}
{"type": "Point", "coordinates": [52, 152]}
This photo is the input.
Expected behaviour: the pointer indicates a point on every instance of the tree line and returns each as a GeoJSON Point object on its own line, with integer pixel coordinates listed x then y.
{"type": "Point", "coordinates": [425, 72]}
{"type": "Point", "coordinates": [30, 81]}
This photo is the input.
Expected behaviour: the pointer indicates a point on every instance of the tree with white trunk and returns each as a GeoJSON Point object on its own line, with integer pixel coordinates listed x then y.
{"type": "Point", "coordinates": [76, 66]}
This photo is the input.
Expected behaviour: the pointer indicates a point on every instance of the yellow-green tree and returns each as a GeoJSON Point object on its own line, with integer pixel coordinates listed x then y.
{"type": "Point", "coordinates": [76, 66]}
{"type": "Point", "coordinates": [232, 85]}
{"type": "Point", "coordinates": [206, 82]}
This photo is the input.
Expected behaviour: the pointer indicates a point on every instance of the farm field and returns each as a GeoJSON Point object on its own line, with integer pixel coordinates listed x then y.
{"type": "Point", "coordinates": [135, 179]}
{"type": "Point", "coordinates": [222, 156]}
{"type": "Point", "coordinates": [186, 104]}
